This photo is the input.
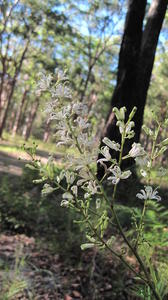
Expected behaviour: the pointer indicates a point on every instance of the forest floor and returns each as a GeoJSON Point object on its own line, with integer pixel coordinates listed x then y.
{"type": "Point", "coordinates": [30, 270]}
{"type": "Point", "coordinates": [33, 272]}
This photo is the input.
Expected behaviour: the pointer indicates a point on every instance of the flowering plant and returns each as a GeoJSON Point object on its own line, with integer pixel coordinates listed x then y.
{"type": "Point", "coordinates": [82, 191]}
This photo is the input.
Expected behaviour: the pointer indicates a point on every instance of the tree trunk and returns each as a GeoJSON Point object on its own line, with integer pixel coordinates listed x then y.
{"type": "Point", "coordinates": [12, 118]}
{"type": "Point", "coordinates": [149, 42]}
{"type": "Point", "coordinates": [135, 65]}
{"type": "Point", "coordinates": [29, 120]}
{"type": "Point", "coordinates": [2, 81]}
{"type": "Point", "coordinates": [18, 114]}
{"type": "Point", "coordinates": [46, 132]}
{"type": "Point", "coordinates": [17, 71]}
{"type": "Point", "coordinates": [4, 57]}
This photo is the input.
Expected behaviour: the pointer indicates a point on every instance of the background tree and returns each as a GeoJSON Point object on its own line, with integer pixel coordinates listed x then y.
{"type": "Point", "coordinates": [136, 59]}
{"type": "Point", "coordinates": [26, 36]}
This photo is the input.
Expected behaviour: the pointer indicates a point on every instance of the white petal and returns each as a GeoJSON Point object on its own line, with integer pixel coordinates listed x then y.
{"type": "Point", "coordinates": [140, 196]}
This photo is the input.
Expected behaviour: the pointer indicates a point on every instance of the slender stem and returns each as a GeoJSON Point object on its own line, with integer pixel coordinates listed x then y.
{"type": "Point", "coordinates": [60, 186]}
{"type": "Point", "coordinates": [74, 136]}
{"type": "Point", "coordinates": [121, 230]}
{"type": "Point", "coordinates": [136, 255]}
{"type": "Point", "coordinates": [114, 253]}
{"type": "Point", "coordinates": [140, 223]}
{"type": "Point", "coordinates": [96, 214]}
{"type": "Point", "coordinates": [149, 178]}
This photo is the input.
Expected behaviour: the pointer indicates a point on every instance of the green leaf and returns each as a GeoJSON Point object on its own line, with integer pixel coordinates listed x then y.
{"type": "Point", "coordinates": [29, 166]}
{"type": "Point", "coordinates": [161, 151]}
{"type": "Point", "coordinates": [164, 142]}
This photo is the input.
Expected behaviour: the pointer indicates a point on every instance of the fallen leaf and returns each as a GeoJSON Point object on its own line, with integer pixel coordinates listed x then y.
{"type": "Point", "coordinates": [67, 297]}
{"type": "Point", "coordinates": [76, 294]}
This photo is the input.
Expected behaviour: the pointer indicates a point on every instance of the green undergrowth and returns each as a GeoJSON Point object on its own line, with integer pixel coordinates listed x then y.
{"type": "Point", "coordinates": [25, 210]}
{"type": "Point", "coordinates": [14, 146]}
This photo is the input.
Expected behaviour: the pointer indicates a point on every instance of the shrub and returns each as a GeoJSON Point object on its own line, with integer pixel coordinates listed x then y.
{"type": "Point", "coordinates": [83, 193]}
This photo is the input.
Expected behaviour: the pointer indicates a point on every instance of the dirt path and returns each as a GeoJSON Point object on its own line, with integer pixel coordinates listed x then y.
{"type": "Point", "coordinates": [10, 163]}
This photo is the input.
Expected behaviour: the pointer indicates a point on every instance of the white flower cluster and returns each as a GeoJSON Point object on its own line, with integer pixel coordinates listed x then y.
{"type": "Point", "coordinates": [72, 129]}
{"type": "Point", "coordinates": [137, 151]}
{"type": "Point", "coordinates": [148, 194]}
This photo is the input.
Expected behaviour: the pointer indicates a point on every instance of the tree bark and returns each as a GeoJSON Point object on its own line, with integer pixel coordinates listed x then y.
{"type": "Point", "coordinates": [47, 131]}
{"type": "Point", "coordinates": [17, 71]}
{"type": "Point", "coordinates": [18, 114]}
{"type": "Point", "coordinates": [149, 42]}
{"type": "Point", "coordinates": [30, 119]}
{"type": "Point", "coordinates": [12, 118]}
{"type": "Point", "coordinates": [135, 65]}
{"type": "Point", "coordinates": [4, 22]}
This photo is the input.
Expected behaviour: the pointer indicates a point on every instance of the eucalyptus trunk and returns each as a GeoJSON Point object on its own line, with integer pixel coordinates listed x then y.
{"type": "Point", "coordinates": [29, 120]}
{"type": "Point", "coordinates": [136, 59]}
{"type": "Point", "coordinates": [18, 114]}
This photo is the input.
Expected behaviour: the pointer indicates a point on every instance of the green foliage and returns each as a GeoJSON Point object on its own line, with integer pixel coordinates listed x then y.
{"type": "Point", "coordinates": [13, 283]}
{"type": "Point", "coordinates": [24, 209]}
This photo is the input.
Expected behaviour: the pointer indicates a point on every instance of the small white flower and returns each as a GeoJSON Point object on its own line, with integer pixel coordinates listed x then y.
{"type": "Point", "coordinates": [129, 126]}
{"type": "Point", "coordinates": [121, 126]}
{"type": "Point", "coordinates": [64, 203]}
{"type": "Point", "coordinates": [61, 91]}
{"type": "Point", "coordinates": [106, 153]}
{"type": "Point", "coordinates": [143, 173]}
{"type": "Point", "coordinates": [92, 187]}
{"type": "Point", "coordinates": [67, 199]}
{"type": "Point", "coordinates": [64, 137]}
{"type": "Point", "coordinates": [74, 190]}
{"type": "Point", "coordinates": [61, 75]}
{"type": "Point", "coordinates": [80, 109]}
{"type": "Point", "coordinates": [129, 132]}
{"type": "Point", "coordinates": [98, 203]}
{"type": "Point", "coordinates": [82, 161]}
{"type": "Point", "coordinates": [148, 194]}
{"type": "Point", "coordinates": [82, 123]}
{"type": "Point", "coordinates": [86, 195]}
{"type": "Point", "coordinates": [149, 164]}
{"type": "Point", "coordinates": [70, 177]}
{"type": "Point", "coordinates": [47, 189]}
{"type": "Point", "coordinates": [50, 106]}
{"type": "Point", "coordinates": [60, 176]}
{"type": "Point", "coordinates": [67, 196]}
{"type": "Point", "coordinates": [118, 174]}
{"type": "Point", "coordinates": [44, 82]}
{"type": "Point", "coordinates": [137, 150]}
{"type": "Point", "coordinates": [83, 139]}
{"type": "Point", "coordinates": [85, 175]}
{"type": "Point", "coordinates": [111, 144]}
